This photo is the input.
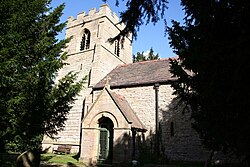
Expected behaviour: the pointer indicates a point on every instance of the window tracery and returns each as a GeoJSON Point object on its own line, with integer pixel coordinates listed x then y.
{"type": "Point", "coordinates": [117, 48]}
{"type": "Point", "coordinates": [85, 43]}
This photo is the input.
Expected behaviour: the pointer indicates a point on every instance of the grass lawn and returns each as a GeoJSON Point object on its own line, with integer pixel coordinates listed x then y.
{"type": "Point", "coordinates": [61, 159]}
{"type": "Point", "coordinates": [69, 160]}
{"type": "Point", "coordinates": [54, 160]}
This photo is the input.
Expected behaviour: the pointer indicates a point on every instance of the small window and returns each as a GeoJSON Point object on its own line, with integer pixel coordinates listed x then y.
{"type": "Point", "coordinates": [117, 48]}
{"type": "Point", "coordinates": [171, 129]}
{"type": "Point", "coordinates": [85, 43]}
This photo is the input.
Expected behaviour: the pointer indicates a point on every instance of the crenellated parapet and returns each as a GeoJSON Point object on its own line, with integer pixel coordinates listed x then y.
{"type": "Point", "coordinates": [93, 14]}
{"type": "Point", "coordinates": [89, 54]}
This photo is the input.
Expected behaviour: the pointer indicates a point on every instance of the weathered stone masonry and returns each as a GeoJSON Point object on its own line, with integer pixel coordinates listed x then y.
{"type": "Point", "coordinates": [184, 144]}
{"type": "Point", "coordinates": [95, 62]}
{"type": "Point", "coordinates": [115, 113]}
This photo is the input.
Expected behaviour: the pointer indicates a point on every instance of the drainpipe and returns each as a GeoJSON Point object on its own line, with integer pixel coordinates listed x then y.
{"type": "Point", "coordinates": [133, 144]}
{"type": "Point", "coordinates": [156, 88]}
{"type": "Point", "coordinates": [80, 142]}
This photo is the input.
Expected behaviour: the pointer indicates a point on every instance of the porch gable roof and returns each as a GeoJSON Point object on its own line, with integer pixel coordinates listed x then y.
{"type": "Point", "coordinates": [126, 110]}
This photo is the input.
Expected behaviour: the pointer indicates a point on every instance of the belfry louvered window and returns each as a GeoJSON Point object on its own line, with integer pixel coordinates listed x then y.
{"type": "Point", "coordinates": [117, 48]}
{"type": "Point", "coordinates": [85, 43]}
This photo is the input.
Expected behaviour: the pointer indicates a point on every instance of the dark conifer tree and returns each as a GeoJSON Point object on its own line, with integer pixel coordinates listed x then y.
{"type": "Point", "coordinates": [212, 68]}
{"type": "Point", "coordinates": [31, 103]}
{"type": "Point", "coordinates": [213, 46]}
{"type": "Point", "coordinates": [144, 57]}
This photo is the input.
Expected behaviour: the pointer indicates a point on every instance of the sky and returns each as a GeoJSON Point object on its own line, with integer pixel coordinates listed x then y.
{"type": "Point", "coordinates": [148, 36]}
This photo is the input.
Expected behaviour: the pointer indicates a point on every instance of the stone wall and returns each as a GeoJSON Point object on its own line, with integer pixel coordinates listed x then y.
{"type": "Point", "coordinates": [103, 25]}
{"type": "Point", "coordinates": [178, 140]}
{"type": "Point", "coordinates": [95, 62]}
{"type": "Point", "coordinates": [95, 21]}
{"type": "Point", "coordinates": [184, 144]}
{"type": "Point", "coordinates": [80, 63]}
{"type": "Point", "coordinates": [105, 107]}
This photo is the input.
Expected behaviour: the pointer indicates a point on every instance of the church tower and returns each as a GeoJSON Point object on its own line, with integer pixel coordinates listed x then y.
{"type": "Point", "coordinates": [89, 54]}
{"type": "Point", "coordinates": [90, 49]}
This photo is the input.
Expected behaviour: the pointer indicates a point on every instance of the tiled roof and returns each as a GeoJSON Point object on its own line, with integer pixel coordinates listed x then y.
{"type": "Point", "coordinates": [141, 73]}
{"type": "Point", "coordinates": [126, 110]}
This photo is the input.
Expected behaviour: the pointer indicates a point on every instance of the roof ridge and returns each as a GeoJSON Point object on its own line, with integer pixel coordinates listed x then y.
{"type": "Point", "coordinates": [144, 62]}
{"type": "Point", "coordinates": [138, 73]}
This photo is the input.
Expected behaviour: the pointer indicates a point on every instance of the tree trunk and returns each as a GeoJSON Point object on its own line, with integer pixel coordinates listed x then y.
{"type": "Point", "coordinates": [208, 162]}
{"type": "Point", "coordinates": [30, 158]}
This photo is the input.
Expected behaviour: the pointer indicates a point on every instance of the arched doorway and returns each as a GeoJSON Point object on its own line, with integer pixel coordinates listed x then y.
{"type": "Point", "coordinates": [106, 134]}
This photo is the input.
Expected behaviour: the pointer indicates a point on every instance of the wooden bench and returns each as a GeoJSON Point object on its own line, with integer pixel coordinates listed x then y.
{"type": "Point", "coordinates": [62, 149]}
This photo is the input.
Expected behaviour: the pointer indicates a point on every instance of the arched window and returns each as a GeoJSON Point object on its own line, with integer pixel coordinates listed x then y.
{"type": "Point", "coordinates": [117, 48]}
{"type": "Point", "coordinates": [85, 43]}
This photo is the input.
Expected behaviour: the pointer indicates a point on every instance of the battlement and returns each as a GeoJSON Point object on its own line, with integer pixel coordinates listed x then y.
{"type": "Point", "coordinates": [93, 14]}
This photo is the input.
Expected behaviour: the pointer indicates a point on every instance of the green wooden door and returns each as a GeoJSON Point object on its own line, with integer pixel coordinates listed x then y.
{"type": "Point", "coordinates": [103, 144]}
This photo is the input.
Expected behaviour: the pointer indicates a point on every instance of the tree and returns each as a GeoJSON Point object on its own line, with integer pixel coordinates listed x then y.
{"type": "Point", "coordinates": [152, 56]}
{"type": "Point", "coordinates": [139, 57]}
{"type": "Point", "coordinates": [212, 68]}
{"type": "Point", "coordinates": [139, 12]}
{"type": "Point", "coordinates": [31, 103]}
{"type": "Point", "coordinates": [214, 46]}
{"type": "Point", "coordinates": [142, 57]}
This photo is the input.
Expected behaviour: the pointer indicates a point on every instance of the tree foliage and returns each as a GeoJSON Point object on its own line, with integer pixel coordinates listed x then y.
{"type": "Point", "coordinates": [212, 68]}
{"type": "Point", "coordinates": [214, 45]}
{"type": "Point", "coordinates": [143, 57]}
{"type": "Point", "coordinates": [31, 103]}
{"type": "Point", "coordinates": [140, 12]}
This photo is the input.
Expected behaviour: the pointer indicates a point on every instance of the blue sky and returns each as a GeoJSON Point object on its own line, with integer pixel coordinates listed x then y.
{"type": "Point", "coordinates": [148, 36]}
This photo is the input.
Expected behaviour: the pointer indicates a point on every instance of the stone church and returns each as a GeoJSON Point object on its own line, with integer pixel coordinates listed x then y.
{"type": "Point", "coordinates": [126, 110]}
